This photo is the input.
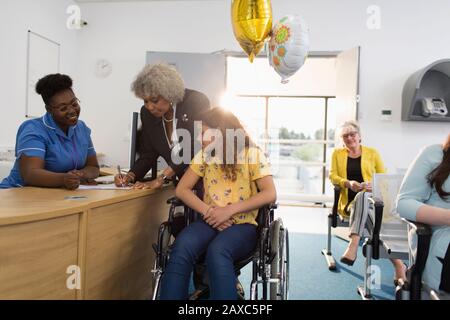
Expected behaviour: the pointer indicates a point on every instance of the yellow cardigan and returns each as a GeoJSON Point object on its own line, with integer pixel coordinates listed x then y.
{"type": "Point", "coordinates": [370, 163]}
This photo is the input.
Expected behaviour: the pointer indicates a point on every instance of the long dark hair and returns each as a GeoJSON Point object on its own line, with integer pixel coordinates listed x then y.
{"type": "Point", "coordinates": [439, 174]}
{"type": "Point", "coordinates": [221, 119]}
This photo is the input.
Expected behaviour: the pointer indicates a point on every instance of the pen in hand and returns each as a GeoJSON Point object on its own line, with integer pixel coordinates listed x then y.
{"type": "Point", "coordinates": [120, 175]}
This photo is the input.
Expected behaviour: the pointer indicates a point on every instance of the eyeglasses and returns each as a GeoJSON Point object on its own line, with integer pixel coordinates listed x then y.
{"type": "Point", "coordinates": [349, 135]}
{"type": "Point", "coordinates": [65, 107]}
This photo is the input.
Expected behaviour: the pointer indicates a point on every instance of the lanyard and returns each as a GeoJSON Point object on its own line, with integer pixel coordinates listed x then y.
{"type": "Point", "coordinates": [174, 130]}
{"type": "Point", "coordinates": [73, 155]}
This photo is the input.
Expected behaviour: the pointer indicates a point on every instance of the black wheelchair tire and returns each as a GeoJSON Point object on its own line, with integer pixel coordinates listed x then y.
{"type": "Point", "coordinates": [164, 241]}
{"type": "Point", "coordinates": [286, 248]}
{"type": "Point", "coordinates": [279, 267]}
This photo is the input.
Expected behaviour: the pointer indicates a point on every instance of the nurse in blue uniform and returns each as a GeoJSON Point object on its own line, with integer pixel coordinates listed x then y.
{"type": "Point", "coordinates": [56, 149]}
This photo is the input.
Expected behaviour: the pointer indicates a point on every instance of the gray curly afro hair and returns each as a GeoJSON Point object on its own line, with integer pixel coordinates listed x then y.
{"type": "Point", "coordinates": [159, 79]}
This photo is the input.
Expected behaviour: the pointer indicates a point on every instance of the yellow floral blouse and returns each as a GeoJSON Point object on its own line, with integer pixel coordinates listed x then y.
{"type": "Point", "coordinates": [221, 190]}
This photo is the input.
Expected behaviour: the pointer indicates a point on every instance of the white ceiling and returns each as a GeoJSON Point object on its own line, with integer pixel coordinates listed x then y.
{"type": "Point", "coordinates": [81, 1]}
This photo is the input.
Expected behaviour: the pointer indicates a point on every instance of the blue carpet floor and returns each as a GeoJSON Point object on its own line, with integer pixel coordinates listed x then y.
{"type": "Point", "coordinates": [310, 278]}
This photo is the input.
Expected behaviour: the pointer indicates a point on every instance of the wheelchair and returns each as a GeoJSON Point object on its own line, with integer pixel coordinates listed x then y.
{"type": "Point", "coordinates": [270, 258]}
{"type": "Point", "coordinates": [414, 288]}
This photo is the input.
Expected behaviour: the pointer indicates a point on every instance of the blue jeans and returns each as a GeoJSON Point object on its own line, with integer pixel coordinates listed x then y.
{"type": "Point", "coordinates": [222, 250]}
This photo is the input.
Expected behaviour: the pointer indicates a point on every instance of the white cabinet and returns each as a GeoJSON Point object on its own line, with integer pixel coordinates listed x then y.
{"type": "Point", "coordinates": [5, 168]}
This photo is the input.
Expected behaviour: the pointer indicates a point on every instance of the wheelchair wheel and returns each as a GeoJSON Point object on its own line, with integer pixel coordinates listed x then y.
{"type": "Point", "coordinates": [161, 258]}
{"type": "Point", "coordinates": [156, 282]}
{"type": "Point", "coordinates": [279, 267]}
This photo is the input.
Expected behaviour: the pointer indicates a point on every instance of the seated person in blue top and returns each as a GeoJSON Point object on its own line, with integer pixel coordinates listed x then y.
{"type": "Point", "coordinates": [56, 149]}
{"type": "Point", "coordinates": [424, 196]}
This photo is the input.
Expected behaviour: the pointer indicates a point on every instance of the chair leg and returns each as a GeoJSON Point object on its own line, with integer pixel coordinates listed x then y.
{"type": "Point", "coordinates": [254, 284]}
{"type": "Point", "coordinates": [253, 291]}
{"type": "Point", "coordinates": [327, 252]}
{"type": "Point", "coordinates": [364, 290]}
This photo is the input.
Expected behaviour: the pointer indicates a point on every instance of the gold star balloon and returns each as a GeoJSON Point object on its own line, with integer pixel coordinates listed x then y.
{"type": "Point", "coordinates": [252, 22]}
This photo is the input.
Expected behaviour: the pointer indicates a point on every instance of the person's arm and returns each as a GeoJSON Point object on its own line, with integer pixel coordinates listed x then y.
{"type": "Point", "coordinates": [185, 194]}
{"type": "Point", "coordinates": [31, 148]}
{"type": "Point", "coordinates": [337, 180]}
{"type": "Point", "coordinates": [379, 165]}
{"type": "Point", "coordinates": [334, 176]}
{"type": "Point", "coordinates": [34, 174]}
{"type": "Point", "coordinates": [379, 168]}
{"type": "Point", "coordinates": [90, 171]}
{"type": "Point", "coordinates": [259, 172]}
{"type": "Point", "coordinates": [433, 215]}
{"type": "Point", "coordinates": [415, 190]}
{"type": "Point", "coordinates": [266, 195]}
{"type": "Point", "coordinates": [143, 165]}
{"type": "Point", "coordinates": [158, 182]}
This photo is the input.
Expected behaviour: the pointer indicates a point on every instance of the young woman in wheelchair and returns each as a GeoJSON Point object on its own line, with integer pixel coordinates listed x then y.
{"type": "Point", "coordinates": [425, 197]}
{"type": "Point", "coordinates": [352, 168]}
{"type": "Point", "coordinates": [237, 181]}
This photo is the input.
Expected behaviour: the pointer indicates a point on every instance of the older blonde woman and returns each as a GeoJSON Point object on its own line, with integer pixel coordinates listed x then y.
{"type": "Point", "coordinates": [352, 168]}
{"type": "Point", "coordinates": [169, 110]}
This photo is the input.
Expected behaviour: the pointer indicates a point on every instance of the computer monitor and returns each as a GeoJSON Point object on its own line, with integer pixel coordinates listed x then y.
{"type": "Point", "coordinates": [136, 124]}
{"type": "Point", "coordinates": [136, 131]}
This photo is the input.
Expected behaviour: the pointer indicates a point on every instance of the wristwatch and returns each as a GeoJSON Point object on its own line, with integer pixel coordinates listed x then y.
{"type": "Point", "coordinates": [164, 178]}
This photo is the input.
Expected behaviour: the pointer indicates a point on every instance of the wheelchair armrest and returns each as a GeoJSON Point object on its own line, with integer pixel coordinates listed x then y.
{"type": "Point", "coordinates": [424, 233]}
{"type": "Point", "coordinates": [266, 214]}
{"type": "Point", "coordinates": [375, 232]}
{"type": "Point", "coordinates": [421, 229]}
{"type": "Point", "coordinates": [334, 210]}
{"type": "Point", "coordinates": [175, 201]}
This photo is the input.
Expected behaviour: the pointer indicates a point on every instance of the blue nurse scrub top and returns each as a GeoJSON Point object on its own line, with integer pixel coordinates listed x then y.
{"type": "Point", "coordinates": [43, 138]}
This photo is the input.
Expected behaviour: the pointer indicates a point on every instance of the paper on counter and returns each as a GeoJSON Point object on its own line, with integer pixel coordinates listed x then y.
{"type": "Point", "coordinates": [111, 186]}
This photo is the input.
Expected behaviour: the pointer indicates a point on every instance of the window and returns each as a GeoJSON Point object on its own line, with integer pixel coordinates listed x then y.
{"type": "Point", "coordinates": [288, 120]}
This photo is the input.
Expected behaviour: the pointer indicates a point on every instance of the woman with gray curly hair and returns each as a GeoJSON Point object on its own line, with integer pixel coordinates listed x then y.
{"type": "Point", "coordinates": [169, 109]}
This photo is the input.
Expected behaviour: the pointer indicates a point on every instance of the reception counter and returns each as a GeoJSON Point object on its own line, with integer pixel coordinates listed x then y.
{"type": "Point", "coordinates": [82, 244]}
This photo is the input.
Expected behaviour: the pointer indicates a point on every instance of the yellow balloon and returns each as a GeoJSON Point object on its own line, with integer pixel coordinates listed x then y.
{"type": "Point", "coordinates": [252, 22]}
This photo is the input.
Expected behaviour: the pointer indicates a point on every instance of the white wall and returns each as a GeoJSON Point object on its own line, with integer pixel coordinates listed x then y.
{"type": "Point", "coordinates": [123, 32]}
{"type": "Point", "coordinates": [46, 17]}
{"type": "Point", "coordinates": [407, 41]}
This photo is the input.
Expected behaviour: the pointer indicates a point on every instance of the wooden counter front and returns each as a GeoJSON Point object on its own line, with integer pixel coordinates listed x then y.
{"type": "Point", "coordinates": [106, 233]}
